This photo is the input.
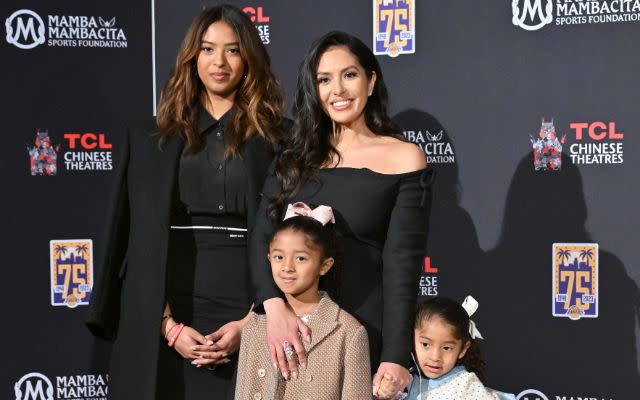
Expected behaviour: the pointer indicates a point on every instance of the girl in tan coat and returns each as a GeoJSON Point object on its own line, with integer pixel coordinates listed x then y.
{"type": "Point", "coordinates": [303, 250]}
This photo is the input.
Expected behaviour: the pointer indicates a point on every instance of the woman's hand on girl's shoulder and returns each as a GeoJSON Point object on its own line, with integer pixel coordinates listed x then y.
{"type": "Point", "coordinates": [283, 327]}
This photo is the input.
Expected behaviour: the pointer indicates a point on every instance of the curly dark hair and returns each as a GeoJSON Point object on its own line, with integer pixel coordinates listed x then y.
{"type": "Point", "coordinates": [309, 145]}
{"type": "Point", "coordinates": [453, 313]}
{"type": "Point", "coordinates": [326, 238]}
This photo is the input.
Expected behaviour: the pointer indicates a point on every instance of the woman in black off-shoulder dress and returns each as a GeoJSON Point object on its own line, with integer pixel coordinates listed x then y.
{"type": "Point", "coordinates": [345, 152]}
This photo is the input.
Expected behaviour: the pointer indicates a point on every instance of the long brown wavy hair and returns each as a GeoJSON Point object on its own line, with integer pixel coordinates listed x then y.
{"type": "Point", "coordinates": [258, 100]}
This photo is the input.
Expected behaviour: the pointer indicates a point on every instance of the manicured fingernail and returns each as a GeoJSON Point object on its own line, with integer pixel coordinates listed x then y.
{"type": "Point", "coordinates": [275, 366]}
{"type": "Point", "coordinates": [286, 376]}
{"type": "Point", "coordinates": [295, 375]}
{"type": "Point", "coordinates": [193, 362]}
{"type": "Point", "coordinates": [209, 342]}
{"type": "Point", "coordinates": [304, 365]}
{"type": "Point", "coordinates": [307, 338]}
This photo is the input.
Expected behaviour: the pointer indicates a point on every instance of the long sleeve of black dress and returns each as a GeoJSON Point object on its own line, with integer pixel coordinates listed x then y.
{"type": "Point", "coordinates": [402, 256]}
{"type": "Point", "coordinates": [264, 285]}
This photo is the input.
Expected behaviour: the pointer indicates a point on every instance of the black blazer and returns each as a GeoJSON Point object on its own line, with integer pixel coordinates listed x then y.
{"type": "Point", "coordinates": [129, 291]}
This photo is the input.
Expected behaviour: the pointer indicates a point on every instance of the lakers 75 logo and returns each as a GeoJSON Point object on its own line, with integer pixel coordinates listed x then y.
{"type": "Point", "coordinates": [575, 280]}
{"type": "Point", "coordinates": [394, 29]}
{"type": "Point", "coordinates": [71, 272]}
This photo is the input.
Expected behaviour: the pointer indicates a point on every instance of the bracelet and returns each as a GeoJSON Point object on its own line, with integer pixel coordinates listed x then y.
{"type": "Point", "coordinates": [166, 335]}
{"type": "Point", "coordinates": [173, 339]}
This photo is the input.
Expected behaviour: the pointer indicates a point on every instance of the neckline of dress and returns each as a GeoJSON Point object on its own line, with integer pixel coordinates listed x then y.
{"type": "Point", "coordinates": [370, 171]}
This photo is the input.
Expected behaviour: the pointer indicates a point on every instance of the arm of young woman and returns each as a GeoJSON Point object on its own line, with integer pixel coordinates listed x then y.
{"type": "Point", "coordinates": [282, 324]}
{"type": "Point", "coordinates": [402, 256]}
{"type": "Point", "coordinates": [104, 308]}
{"type": "Point", "coordinates": [185, 340]}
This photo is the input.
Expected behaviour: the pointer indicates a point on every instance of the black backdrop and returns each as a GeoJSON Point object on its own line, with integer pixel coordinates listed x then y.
{"type": "Point", "coordinates": [475, 76]}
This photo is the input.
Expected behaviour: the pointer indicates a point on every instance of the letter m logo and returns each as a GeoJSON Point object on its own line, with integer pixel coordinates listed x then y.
{"type": "Point", "coordinates": [531, 15]}
{"type": "Point", "coordinates": [25, 29]}
{"type": "Point", "coordinates": [32, 393]}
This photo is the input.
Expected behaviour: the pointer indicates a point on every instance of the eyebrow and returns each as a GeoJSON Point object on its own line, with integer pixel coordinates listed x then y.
{"type": "Point", "coordinates": [226, 44]}
{"type": "Point", "coordinates": [344, 69]}
{"type": "Point", "coordinates": [424, 337]}
{"type": "Point", "coordinates": [295, 251]}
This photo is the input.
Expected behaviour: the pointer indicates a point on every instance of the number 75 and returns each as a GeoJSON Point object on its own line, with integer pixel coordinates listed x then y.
{"type": "Point", "coordinates": [576, 281]}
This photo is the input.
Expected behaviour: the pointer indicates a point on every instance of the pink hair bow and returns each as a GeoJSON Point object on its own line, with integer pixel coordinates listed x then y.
{"type": "Point", "coordinates": [322, 214]}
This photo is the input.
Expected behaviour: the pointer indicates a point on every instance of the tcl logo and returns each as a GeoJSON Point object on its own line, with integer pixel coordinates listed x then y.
{"type": "Point", "coordinates": [87, 141]}
{"type": "Point", "coordinates": [596, 130]}
{"type": "Point", "coordinates": [256, 14]}
{"type": "Point", "coordinates": [428, 268]}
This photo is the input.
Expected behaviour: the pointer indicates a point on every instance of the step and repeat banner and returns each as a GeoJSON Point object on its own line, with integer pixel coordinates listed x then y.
{"type": "Point", "coordinates": [527, 110]}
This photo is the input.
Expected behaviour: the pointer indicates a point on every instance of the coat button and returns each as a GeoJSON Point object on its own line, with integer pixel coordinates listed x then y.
{"type": "Point", "coordinates": [218, 134]}
{"type": "Point", "coordinates": [307, 377]}
{"type": "Point", "coordinates": [220, 167]}
{"type": "Point", "coordinates": [262, 372]}
{"type": "Point", "coordinates": [220, 207]}
{"type": "Point", "coordinates": [257, 396]}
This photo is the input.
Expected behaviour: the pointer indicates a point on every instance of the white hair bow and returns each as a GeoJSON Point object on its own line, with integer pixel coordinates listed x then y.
{"type": "Point", "coordinates": [470, 305]}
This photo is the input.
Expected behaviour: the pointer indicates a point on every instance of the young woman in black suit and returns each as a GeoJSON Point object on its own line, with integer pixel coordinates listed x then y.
{"type": "Point", "coordinates": [174, 269]}
{"type": "Point", "coordinates": [344, 151]}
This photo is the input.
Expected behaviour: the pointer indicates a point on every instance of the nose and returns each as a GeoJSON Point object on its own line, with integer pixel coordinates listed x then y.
{"type": "Point", "coordinates": [434, 355]}
{"type": "Point", "coordinates": [338, 87]}
{"type": "Point", "coordinates": [219, 58]}
{"type": "Point", "coordinates": [287, 265]}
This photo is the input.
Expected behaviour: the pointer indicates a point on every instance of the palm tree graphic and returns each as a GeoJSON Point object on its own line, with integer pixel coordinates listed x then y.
{"type": "Point", "coordinates": [60, 250]}
{"type": "Point", "coordinates": [82, 251]}
{"type": "Point", "coordinates": [586, 254]}
{"type": "Point", "coordinates": [563, 254]}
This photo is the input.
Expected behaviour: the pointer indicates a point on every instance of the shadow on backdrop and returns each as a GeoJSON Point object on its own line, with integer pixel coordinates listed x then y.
{"type": "Point", "coordinates": [452, 245]}
{"type": "Point", "coordinates": [525, 346]}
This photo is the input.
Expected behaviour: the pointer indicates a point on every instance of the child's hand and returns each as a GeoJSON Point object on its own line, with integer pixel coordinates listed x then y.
{"type": "Point", "coordinates": [386, 390]}
{"type": "Point", "coordinates": [395, 378]}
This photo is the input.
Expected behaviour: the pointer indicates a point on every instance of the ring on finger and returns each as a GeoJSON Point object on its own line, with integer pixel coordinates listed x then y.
{"type": "Point", "coordinates": [288, 350]}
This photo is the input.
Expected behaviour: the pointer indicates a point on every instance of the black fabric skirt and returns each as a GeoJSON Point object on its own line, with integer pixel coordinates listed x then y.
{"type": "Point", "coordinates": [207, 286]}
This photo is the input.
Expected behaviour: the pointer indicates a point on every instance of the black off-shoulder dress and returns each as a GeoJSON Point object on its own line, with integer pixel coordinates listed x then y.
{"type": "Point", "coordinates": [383, 220]}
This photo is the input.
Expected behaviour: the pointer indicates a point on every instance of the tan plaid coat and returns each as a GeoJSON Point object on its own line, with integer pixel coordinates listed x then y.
{"type": "Point", "coordinates": [337, 360]}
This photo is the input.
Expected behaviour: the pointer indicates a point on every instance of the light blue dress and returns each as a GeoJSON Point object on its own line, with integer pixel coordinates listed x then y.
{"type": "Point", "coordinates": [458, 384]}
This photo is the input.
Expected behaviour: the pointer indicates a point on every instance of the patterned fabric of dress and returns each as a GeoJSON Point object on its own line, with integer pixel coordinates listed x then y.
{"type": "Point", "coordinates": [457, 384]}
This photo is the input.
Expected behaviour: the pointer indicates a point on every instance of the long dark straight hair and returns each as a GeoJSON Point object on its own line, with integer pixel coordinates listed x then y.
{"type": "Point", "coordinates": [258, 101]}
{"type": "Point", "coordinates": [309, 145]}
{"type": "Point", "coordinates": [452, 313]}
